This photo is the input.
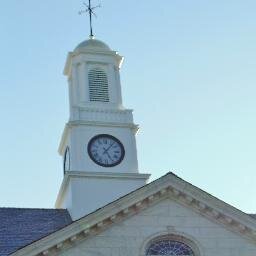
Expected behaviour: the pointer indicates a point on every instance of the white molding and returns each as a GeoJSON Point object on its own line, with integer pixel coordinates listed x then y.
{"type": "Point", "coordinates": [105, 124]}
{"type": "Point", "coordinates": [108, 175]}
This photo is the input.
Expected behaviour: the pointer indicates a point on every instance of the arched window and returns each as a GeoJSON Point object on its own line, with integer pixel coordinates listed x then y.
{"type": "Point", "coordinates": [98, 85]}
{"type": "Point", "coordinates": [170, 247]}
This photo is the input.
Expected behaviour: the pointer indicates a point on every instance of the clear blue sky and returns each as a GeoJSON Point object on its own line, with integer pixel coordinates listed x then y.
{"type": "Point", "coordinates": [189, 74]}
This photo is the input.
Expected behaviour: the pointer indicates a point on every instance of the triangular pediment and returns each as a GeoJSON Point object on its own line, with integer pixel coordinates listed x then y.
{"type": "Point", "coordinates": [168, 188]}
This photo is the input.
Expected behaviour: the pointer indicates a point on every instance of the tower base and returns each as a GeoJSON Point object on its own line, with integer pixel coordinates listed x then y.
{"type": "Point", "coordinates": [84, 192]}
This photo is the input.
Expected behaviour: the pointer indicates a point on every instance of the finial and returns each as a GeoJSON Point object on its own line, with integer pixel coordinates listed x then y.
{"type": "Point", "coordinates": [91, 12]}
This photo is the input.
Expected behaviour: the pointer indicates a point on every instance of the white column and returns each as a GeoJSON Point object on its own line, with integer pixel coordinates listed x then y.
{"type": "Point", "coordinates": [118, 85]}
{"type": "Point", "coordinates": [112, 84]}
{"type": "Point", "coordinates": [74, 114]}
{"type": "Point", "coordinates": [83, 84]}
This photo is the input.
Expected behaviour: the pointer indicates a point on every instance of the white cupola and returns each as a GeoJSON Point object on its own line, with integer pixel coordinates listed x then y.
{"type": "Point", "coordinates": [98, 144]}
{"type": "Point", "coordinates": [93, 71]}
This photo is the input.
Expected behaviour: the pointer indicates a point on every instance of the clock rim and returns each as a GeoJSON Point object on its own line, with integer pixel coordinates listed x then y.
{"type": "Point", "coordinates": [111, 137]}
{"type": "Point", "coordinates": [67, 153]}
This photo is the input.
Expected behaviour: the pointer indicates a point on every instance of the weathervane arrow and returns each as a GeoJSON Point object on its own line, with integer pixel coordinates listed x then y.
{"type": "Point", "coordinates": [91, 12]}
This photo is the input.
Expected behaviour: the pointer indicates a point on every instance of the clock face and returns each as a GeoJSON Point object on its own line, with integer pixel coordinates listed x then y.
{"type": "Point", "coordinates": [66, 164]}
{"type": "Point", "coordinates": [106, 150]}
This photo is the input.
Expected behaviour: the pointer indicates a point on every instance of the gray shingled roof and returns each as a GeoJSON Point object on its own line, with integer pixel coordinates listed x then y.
{"type": "Point", "coordinates": [20, 227]}
{"type": "Point", "coordinates": [253, 215]}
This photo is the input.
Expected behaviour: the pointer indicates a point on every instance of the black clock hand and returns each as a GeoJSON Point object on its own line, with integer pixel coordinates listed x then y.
{"type": "Point", "coordinates": [106, 150]}
{"type": "Point", "coordinates": [109, 156]}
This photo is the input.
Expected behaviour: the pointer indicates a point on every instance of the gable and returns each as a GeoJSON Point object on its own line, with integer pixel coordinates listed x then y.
{"type": "Point", "coordinates": [168, 188]}
{"type": "Point", "coordinates": [167, 216]}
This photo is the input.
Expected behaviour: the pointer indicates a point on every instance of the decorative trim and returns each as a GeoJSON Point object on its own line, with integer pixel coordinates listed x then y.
{"type": "Point", "coordinates": [97, 109]}
{"type": "Point", "coordinates": [107, 175]}
{"type": "Point", "coordinates": [98, 123]}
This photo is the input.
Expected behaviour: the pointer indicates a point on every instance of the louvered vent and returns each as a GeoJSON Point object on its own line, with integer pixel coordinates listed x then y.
{"type": "Point", "coordinates": [98, 85]}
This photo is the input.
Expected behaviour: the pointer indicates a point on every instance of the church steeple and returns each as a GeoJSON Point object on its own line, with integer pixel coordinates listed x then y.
{"type": "Point", "coordinates": [96, 107]}
{"type": "Point", "coordinates": [98, 144]}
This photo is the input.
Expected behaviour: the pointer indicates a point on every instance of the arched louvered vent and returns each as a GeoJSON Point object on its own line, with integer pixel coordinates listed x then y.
{"type": "Point", "coordinates": [98, 85]}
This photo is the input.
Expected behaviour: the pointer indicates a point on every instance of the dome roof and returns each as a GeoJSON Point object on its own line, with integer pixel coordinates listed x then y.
{"type": "Point", "coordinates": [93, 44]}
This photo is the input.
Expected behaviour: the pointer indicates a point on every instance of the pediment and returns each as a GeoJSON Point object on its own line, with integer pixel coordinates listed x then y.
{"type": "Point", "coordinates": [169, 187]}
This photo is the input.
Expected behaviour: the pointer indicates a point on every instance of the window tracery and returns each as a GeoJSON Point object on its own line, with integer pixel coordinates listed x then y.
{"type": "Point", "coordinates": [169, 247]}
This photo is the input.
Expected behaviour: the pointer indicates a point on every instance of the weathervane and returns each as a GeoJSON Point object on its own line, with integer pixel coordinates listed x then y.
{"type": "Point", "coordinates": [91, 12]}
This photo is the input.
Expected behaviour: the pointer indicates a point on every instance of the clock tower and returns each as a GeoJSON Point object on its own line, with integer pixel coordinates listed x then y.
{"type": "Point", "coordinates": [98, 143]}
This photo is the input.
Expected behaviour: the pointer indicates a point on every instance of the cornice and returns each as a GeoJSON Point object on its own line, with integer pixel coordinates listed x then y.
{"type": "Point", "coordinates": [91, 51]}
{"type": "Point", "coordinates": [73, 54]}
{"type": "Point", "coordinates": [105, 109]}
{"type": "Point", "coordinates": [135, 202]}
{"type": "Point", "coordinates": [107, 175]}
{"type": "Point", "coordinates": [96, 123]}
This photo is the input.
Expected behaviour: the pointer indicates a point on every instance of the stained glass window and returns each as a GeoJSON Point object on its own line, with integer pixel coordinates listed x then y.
{"type": "Point", "coordinates": [169, 247]}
